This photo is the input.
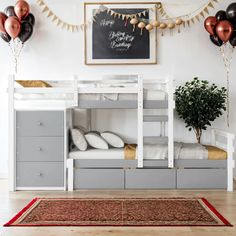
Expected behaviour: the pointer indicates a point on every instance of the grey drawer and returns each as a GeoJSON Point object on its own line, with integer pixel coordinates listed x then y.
{"type": "Point", "coordinates": [201, 178]}
{"type": "Point", "coordinates": [99, 179]}
{"type": "Point", "coordinates": [40, 149]}
{"type": "Point", "coordinates": [150, 179]}
{"type": "Point", "coordinates": [39, 123]}
{"type": "Point", "coordinates": [39, 174]}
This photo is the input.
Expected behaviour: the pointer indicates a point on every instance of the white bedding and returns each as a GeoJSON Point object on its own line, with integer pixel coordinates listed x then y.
{"type": "Point", "coordinates": [182, 151]}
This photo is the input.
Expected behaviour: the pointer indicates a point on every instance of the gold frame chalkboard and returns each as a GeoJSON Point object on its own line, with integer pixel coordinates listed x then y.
{"type": "Point", "coordinates": [88, 45]}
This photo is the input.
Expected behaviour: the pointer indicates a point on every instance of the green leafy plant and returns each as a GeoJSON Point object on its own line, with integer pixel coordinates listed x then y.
{"type": "Point", "coordinates": [198, 103]}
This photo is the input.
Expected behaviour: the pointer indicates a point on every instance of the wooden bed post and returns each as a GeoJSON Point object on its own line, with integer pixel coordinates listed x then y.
{"type": "Point", "coordinates": [140, 121]}
{"type": "Point", "coordinates": [11, 133]}
{"type": "Point", "coordinates": [171, 106]}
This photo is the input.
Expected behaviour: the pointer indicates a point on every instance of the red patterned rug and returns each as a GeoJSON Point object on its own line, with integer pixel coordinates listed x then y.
{"type": "Point", "coordinates": [119, 212]}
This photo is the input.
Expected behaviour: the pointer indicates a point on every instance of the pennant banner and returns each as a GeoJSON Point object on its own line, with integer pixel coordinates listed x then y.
{"type": "Point", "coordinates": [188, 19]}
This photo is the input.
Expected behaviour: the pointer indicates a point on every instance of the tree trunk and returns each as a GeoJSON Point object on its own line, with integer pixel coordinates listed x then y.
{"type": "Point", "coordinates": [198, 135]}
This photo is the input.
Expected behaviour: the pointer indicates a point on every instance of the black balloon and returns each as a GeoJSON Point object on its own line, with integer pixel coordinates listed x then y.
{"type": "Point", "coordinates": [221, 15]}
{"type": "Point", "coordinates": [232, 39]}
{"type": "Point", "coordinates": [216, 40]}
{"type": "Point", "coordinates": [30, 18]}
{"type": "Point", "coordinates": [6, 37]}
{"type": "Point", "coordinates": [9, 11]}
{"type": "Point", "coordinates": [26, 31]}
{"type": "Point", "coordinates": [231, 12]}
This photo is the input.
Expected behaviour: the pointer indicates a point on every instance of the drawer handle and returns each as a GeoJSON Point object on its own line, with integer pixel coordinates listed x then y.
{"type": "Point", "coordinates": [40, 174]}
{"type": "Point", "coordinates": [40, 149]}
{"type": "Point", "coordinates": [40, 123]}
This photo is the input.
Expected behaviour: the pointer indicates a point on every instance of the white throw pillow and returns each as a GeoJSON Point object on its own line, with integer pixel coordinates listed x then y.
{"type": "Point", "coordinates": [113, 139]}
{"type": "Point", "coordinates": [79, 139]}
{"type": "Point", "coordinates": [96, 141]}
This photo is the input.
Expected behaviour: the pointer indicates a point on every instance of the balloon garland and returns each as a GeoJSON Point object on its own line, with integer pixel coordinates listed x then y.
{"type": "Point", "coordinates": [16, 27]}
{"type": "Point", "coordinates": [222, 30]}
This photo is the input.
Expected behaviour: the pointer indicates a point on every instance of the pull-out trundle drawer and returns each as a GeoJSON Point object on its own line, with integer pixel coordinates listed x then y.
{"type": "Point", "coordinates": [99, 179]}
{"type": "Point", "coordinates": [39, 174]}
{"type": "Point", "coordinates": [150, 179]}
{"type": "Point", "coordinates": [201, 178]}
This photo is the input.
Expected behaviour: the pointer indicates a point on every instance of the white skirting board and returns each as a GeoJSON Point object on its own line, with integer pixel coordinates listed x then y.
{"type": "Point", "coordinates": [3, 175]}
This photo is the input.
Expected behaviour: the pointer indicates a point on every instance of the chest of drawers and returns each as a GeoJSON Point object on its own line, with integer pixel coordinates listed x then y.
{"type": "Point", "coordinates": [39, 150]}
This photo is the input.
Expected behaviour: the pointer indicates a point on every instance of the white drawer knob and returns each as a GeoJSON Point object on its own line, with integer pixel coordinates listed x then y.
{"type": "Point", "coordinates": [40, 174]}
{"type": "Point", "coordinates": [40, 123]}
{"type": "Point", "coordinates": [40, 149]}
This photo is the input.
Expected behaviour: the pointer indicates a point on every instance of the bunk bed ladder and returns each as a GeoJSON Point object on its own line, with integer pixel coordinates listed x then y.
{"type": "Point", "coordinates": [140, 121]}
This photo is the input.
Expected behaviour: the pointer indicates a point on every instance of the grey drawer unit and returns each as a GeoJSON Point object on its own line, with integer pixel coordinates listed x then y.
{"type": "Point", "coordinates": [201, 178]}
{"type": "Point", "coordinates": [40, 174]}
{"type": "Point", "coordinates": [150, 179]}
{"type": "Point", "coordinates": [40, 149]}
{"type": "Point", "coordinates": [99, 179]}
{"type": "Point", "coordinates": [39, 123]}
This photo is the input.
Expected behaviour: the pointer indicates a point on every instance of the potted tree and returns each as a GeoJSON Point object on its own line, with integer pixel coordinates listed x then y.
{"type": "Point", "coordinates": [199, 103]}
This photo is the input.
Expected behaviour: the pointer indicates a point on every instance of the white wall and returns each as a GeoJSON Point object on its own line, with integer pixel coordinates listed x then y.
{"type": "Point", "coordinates": [53, 51]}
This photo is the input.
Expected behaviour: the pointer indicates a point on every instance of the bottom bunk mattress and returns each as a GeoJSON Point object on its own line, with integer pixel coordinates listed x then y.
{"type": "Point", "coordinates": [182, 151]}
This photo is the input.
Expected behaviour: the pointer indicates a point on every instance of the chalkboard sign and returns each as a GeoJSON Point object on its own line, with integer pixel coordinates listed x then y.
{"type": "Point", "coordinates": [114, 39]}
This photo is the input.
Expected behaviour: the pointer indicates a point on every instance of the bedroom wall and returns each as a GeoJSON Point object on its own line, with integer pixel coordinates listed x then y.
{"type": "Point", "coordinates": [52, 51]}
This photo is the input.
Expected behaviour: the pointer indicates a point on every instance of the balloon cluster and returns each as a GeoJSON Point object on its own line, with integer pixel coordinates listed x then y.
{"type": "Point", "coordinates": [17, 22]}
{"type": "Point", "coordinates": [222, 26]}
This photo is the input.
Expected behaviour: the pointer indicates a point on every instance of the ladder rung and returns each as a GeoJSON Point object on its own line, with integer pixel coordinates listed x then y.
{"type": "Point", "coordinates": [162, 139]}
{"type": "Point", "coordinates": [157, 118]}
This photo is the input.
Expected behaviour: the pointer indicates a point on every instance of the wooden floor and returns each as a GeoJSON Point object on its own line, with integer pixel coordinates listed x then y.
{"type": "Point", "coordinates": [11, 203]}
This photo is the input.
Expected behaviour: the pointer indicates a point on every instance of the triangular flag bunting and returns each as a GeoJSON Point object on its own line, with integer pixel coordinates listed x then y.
{"type": "Point", "coordinates": [211, 5]}
{"type": "Point", "coordinates": [192, 19]}
{"type": "Point", "coordinates": [184, 24]}
{"type": "Point", "coordinates": [45, 9]}
{"type": "Point", "coordinates": [202, 14]}
{"type": "Point", "coordinates": [58, 22]}
{"type": "Point", "coordinates": [50, 14]}
{"type": "Point", "coordinates": [206, 10]}
{"type": "Point", "coordinates": [188, 22]}
{"type": "Point", "coordinates": [197, 17]}
{"type": "Point", "coordinates": [54, 18]}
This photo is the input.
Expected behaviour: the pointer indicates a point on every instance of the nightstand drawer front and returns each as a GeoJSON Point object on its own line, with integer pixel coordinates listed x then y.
{"type": "Point", "coordinates": [39, 123]}
{"type": "Point", "coordinates": [40, 149]}
{"type": "Point", "coordinates": [39, 174]}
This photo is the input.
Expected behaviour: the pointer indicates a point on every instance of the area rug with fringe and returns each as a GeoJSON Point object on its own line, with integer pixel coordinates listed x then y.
{"type": "Point", "coordinates": [119, 212]}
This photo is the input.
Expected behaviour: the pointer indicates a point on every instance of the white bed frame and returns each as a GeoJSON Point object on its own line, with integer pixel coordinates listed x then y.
{"type": "Point", "coordinates": [73, 88]}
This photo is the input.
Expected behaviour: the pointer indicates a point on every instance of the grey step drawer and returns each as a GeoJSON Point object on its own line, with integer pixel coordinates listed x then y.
{"type": "Point", "coordinates": [40, 174]}
{"type": "Point", "coordinates": [99, 179]}
{"type": "Point", "coordinates": [150, 179]}
{"type": "Point", "coordinates": [201, 178]}
{"type": "Point", "coordinates": [39, 123]}
{"type": "Point", "coordinates": [40, 149]}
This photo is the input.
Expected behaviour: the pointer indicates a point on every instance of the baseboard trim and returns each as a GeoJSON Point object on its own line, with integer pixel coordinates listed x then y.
{"type": "Point", "coordinates": [3, 175]}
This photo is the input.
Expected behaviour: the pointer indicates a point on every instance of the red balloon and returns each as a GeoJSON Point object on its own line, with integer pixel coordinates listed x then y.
{"type": "Point", "coordinates": [22, 9]}
{"type": "Point", "coordinates": [3, 18]}
{"type": "Point", "coordinates": [224, 30]}
{"type": "Point", "coordinates": [12, 26]}
{"type": "Point", "coordinates": [210, 24]}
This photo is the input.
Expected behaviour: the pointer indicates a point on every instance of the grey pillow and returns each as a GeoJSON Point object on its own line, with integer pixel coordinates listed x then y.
{"type": "Point", "coordinates": [113, 139]}
{"type": "Point", "coordinates": [96, 141]}
{"type": "Point", "coordinates": [79, 139]}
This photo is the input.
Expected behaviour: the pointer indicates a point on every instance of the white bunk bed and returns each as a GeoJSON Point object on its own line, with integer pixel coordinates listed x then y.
{"type": "Point", "coordinates": [130, 93]}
